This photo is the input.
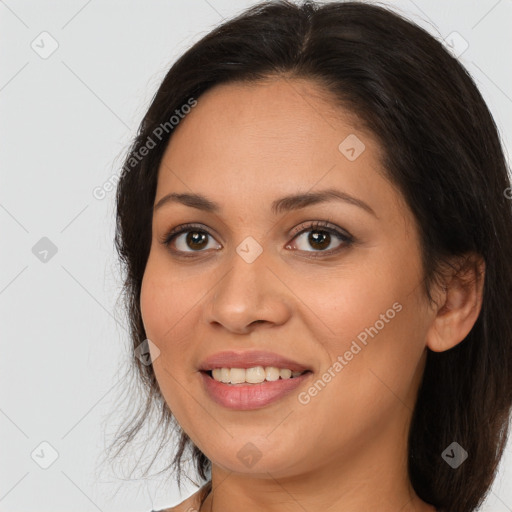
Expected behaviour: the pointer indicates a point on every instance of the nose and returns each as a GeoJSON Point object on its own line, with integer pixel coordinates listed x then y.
{"type": "Point", "coordinates": [249, 294]}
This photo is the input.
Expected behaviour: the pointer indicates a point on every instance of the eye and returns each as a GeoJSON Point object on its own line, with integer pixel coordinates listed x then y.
{"type": "Point", "coordinates": [321, 237]}
{"type": "Point", "coordinates": [196, 239]}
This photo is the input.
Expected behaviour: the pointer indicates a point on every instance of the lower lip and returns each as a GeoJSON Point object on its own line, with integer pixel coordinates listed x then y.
{"type": "Point", "coordinates": [250, 396]}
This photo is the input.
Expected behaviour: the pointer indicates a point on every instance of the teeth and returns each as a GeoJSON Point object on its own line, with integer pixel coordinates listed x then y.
{"type": "Point", "coordinates": [237, 375]}
{"type": "Point", "coordinates": [271, 373]}
{"type": "Point", "coordinates": [253, 375]}
{"type": "Point", "coordinates": [224, 375]}
{"type": "Point", "coordinates": [285, 374]}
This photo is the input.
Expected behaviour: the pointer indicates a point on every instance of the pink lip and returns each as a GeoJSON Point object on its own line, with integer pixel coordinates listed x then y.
{"type": "Point", "coordinates": [249, 359]}
{"type": "Point", "coordinates": [246, 397]}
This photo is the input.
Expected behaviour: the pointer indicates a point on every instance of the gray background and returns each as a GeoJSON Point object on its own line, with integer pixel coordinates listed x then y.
{"type": "Point", "coordinates": [66, 120]}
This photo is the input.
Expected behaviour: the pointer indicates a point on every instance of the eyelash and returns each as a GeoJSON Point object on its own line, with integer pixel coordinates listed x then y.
{"type": "Point", "coordinates": [322, 226]}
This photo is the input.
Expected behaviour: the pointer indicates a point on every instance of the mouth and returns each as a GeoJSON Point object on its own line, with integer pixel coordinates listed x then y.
{"type": "Point", "coordinates": [251, 379]}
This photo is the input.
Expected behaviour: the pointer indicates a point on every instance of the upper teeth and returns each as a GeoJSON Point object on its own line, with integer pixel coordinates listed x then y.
{"type": "Point", "coordinates": [252, 375]}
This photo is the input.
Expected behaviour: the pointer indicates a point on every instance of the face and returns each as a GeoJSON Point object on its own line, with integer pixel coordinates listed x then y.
{"type": "Point", "coordinates": [332, 285]}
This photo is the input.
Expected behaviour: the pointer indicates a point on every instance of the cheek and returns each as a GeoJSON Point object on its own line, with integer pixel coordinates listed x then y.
{"type": "Point", "coordinates": [167, 305]}
{"type": "Point", "coordinates": [169, 312]}
{"type": "Point", "coordinates": [356, 306]}
{"type": "Point", "coordinates": [372, 327]}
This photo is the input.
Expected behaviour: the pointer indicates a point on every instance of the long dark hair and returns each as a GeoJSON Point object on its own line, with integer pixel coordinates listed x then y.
{"type": "Point", "coordinates": [441, 149]}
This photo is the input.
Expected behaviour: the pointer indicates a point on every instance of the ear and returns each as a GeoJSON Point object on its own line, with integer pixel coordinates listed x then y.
{"type": "Point", "coordinates": [459, 301]}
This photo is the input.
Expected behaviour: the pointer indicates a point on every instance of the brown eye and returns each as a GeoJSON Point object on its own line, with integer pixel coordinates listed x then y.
{"type": "Point", "coordinates": [321, 239]}
{"type": "Point", "coordinates": [196, 240]}
{"type": "Point", "coordinates": [187, 239]}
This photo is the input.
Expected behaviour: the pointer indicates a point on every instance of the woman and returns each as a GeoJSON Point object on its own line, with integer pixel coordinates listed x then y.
{"type": "Point", "coordinates": [316, 234]}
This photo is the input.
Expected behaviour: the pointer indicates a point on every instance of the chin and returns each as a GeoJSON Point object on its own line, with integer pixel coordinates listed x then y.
{"type": "Point", "coordinates": [257, 455]}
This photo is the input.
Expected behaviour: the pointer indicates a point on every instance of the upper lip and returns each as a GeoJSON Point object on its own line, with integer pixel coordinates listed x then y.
{"type": "Point", "coordinates": [249, 359]}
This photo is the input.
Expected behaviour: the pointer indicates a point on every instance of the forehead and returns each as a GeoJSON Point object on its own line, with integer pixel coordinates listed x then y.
{"type": "Point", "coordinates": [270, 138]}
{"type": "Point", "coordinates": [275, 118]}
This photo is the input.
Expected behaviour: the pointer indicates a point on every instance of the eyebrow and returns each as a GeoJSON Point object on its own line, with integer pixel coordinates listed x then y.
{"type": "Point", "coordinates": [284, 204]}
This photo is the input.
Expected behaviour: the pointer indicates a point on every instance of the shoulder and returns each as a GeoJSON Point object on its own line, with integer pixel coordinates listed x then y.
{"type": "Point", "coordinates": [191, 504]}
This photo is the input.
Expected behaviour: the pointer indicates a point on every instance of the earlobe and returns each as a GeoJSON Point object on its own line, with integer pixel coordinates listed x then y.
{"type": "Point", "coordinates": [461, 296]}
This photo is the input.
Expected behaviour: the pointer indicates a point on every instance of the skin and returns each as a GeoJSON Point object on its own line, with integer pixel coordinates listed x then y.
{"type": "Point", "coordinates": [243, 146]}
